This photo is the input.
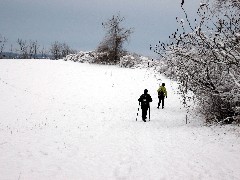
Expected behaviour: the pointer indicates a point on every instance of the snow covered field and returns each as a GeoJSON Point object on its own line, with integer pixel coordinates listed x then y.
{"type": "Point", "coordinates": [64, 120]}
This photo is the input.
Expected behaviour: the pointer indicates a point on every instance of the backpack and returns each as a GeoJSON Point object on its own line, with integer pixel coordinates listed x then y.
{"type": "Point", "coordinates": [161, 93]}
{"type": "Point", "coordinates": [145, 100]}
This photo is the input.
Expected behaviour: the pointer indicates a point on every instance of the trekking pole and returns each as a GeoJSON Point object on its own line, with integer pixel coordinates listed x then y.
{"type": "Point", "coordinates": [138, 111]}
{"type": "Point", "coordinates": [149, 112]}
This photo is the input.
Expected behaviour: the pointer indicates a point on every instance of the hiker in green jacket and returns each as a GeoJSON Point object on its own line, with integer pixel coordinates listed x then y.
{"type": "Point", "coordinates": [162, 93]}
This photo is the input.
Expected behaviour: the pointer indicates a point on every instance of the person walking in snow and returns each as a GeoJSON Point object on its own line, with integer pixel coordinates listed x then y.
{"type": "Point", "coordinates": [145, 100]}
{"type": "Point", "coordinates": [162, 93]}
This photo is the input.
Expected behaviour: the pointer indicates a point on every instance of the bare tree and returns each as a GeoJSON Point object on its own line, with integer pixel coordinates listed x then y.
{"type": "Point", "coordinates": [27, 50]}
{"type": "Point", "coordinates": [66, 50]}
{"type": "Point", "coordinates": [111, 48]}
{"type": "Point", "coordinates": [3, 41]}
{"type": "Point", "coordinates": [56, 50]}
{"type": "Point", "coordinates": [33, 49]}
{"type": "Point", "coordinates": [23, 49]}
{"type": "Point", "coordinates": [60, 50]}
{"type": "Point", "coordinates": [43, 52]}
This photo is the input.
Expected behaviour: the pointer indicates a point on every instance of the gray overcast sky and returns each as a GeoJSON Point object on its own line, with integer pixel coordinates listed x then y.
{"type": "Point", "coordinates": [78, 22]}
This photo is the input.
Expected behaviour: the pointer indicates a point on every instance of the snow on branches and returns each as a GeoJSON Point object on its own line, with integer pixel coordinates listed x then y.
{"type": "Point", "coordinates": [206, 58]}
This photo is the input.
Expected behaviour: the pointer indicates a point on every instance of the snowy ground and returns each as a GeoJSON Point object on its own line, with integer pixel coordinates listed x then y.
{"type": "Point", "coordinates": [65, 120]}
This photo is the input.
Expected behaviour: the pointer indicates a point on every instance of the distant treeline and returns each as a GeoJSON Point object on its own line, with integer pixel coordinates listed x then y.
{"type": "Point", "coordinates": [11, 55]}
{"type": "Point", "coordinates": [32, 50]}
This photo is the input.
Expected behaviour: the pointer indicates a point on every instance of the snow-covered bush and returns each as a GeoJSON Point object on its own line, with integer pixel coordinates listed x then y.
{"type": "Point", "coordinates": [82, 57]}
{"type": "Point", "coordinates": [205, 59]}
{"type": "Point", "coordinates": [127, 61]}
{"type": "Point", "coordinates": [135, 60]}
{"type": "Point", "coordinates": [130, 60]}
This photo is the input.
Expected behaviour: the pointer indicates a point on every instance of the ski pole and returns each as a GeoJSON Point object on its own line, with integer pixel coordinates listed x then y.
{"type": "Point", "coordinates": [137, 112]}
{"type": "Point", "coordinates": [149, 112]}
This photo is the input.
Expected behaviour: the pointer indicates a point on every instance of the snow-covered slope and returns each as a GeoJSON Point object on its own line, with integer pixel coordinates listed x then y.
{"type": "Point", "coordinates": [66, 120]}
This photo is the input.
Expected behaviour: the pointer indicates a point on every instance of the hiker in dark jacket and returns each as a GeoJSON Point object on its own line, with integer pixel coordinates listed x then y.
{"type": "Point", "coordinates": [145, 99]}
{"type": "Point", "coordinates": [162, 93]}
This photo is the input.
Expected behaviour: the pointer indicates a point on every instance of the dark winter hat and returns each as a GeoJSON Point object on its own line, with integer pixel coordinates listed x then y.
{"type": "Point", "coordinates": [145, 91]}
{"type": "Point", "coordinates": [163, 84]}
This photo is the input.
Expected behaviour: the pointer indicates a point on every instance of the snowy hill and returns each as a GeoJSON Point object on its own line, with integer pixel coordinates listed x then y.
{"type": "Point", "coordinates": [66, 120]}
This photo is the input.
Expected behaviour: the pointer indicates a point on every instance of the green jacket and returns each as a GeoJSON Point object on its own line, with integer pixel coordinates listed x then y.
{"type": "Point", "coordinates": [162, 91]}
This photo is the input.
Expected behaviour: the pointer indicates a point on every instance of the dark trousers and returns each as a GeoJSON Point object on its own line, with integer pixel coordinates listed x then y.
{"type": "Point", "coordinates": [161, 99]}
{"type": "Point", "coordinates": [144, 112]}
